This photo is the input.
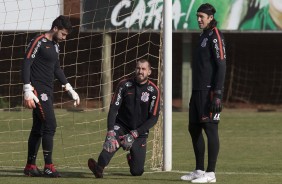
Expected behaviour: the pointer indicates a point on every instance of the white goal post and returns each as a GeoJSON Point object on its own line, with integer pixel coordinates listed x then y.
{"type": "Point", "coordinates": [167, 85]}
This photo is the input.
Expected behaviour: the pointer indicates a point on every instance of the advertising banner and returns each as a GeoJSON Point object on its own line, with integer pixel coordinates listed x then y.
{"type": "Point", "coordinates": [135, 15]}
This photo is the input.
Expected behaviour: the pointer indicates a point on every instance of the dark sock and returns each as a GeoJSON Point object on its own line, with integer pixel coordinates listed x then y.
{"type": "Point", "coordinates": [47, 157]}
{"type": "Point", "coordinates": [31, 159]}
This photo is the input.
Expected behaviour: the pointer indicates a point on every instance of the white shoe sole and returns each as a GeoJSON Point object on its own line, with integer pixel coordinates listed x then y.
{"type": "Point", "coordinates": [206, 181]}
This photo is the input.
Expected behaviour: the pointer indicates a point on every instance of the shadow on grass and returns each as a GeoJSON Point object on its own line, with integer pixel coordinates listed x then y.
{"type": "Point", "coordinates": [19, 173]}
{"type": "Point", "coordinates": [149, 178]}
{"type": "Point", "coordinates": [118, 177]}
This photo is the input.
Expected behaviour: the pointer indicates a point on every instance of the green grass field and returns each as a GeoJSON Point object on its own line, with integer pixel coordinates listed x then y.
{"type": "Point", "coordinates": [250, 150]}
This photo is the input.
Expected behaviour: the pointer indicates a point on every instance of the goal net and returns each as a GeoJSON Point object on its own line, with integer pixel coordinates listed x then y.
{"type": "Point", "coordinates": [109, 36]}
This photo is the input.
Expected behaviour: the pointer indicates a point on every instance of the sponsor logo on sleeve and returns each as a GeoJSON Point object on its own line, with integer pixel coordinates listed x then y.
{"type": "Point", "coordinates": [216, 48]}
{"type": "Point", "coordinates": [223, 46]}
{"type": "Point", "coordinates": [152, 105]}
{"type": "Point", "coordinates": [150, 88]}
{"type": "Point", "coordinates": [36, 49]}
{"type": "Point", "coordinates": [118, 96]}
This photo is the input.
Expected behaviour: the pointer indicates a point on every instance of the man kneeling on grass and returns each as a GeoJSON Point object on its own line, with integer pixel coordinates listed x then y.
{"type": "Point", "coordinates": [133, 111]}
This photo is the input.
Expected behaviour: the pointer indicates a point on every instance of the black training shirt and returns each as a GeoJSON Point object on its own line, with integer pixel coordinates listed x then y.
{"type": "Point", "coordinates": [135, 106]}
{"type": "Point", "coordinates": [41, 64]}
{"type": "Point", "coordinates": [209, 64]}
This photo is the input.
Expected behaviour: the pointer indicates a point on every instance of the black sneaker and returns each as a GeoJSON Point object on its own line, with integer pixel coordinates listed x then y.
{"type": "Point", "coordinates": [50, 171]}
{"type": "Point", "coordinates": [93, 166]}
{"type": "Point", "coordinates": [32, 170]}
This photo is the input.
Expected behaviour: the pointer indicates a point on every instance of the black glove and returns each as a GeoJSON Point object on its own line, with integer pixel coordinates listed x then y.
{"type": "Point", "coordinates": [216, 105]}
{"type": "Point", "coordinates": [128, 139]}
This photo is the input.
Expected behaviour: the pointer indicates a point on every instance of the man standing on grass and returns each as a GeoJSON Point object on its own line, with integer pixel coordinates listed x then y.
{"type": "Point", "coordinates": [41, 64]}
{"type": "Point", "coordinates": [133, 111]}
{"type": "Point", "coordinates": [208, 75]}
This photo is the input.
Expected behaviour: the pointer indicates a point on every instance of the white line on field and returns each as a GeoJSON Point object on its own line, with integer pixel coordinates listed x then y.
{"type": "Point", "coordinates": [221, 173]}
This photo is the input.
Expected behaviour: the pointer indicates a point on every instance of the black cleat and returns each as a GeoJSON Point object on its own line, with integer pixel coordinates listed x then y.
{"type": "Point", "coordinates": [32, 170]}
{"type": "Point", "coordinates": [93, 166]}
{"type": "Point", "coordinates": [50, 171]}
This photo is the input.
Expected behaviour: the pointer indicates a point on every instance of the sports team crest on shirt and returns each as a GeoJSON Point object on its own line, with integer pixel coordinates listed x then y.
{"type": "Point", "coordinates": [145, 97]}
{"type": "Point", "coordinates": [44, 97]}
{"type": "Point", "coordinates": [204, 42]}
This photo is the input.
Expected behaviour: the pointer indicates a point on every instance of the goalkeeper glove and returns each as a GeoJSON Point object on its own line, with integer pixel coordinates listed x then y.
{"type": "Point", "coordinates": [72, 94]}
{"type": "Point", "coordinates": [128, 139]}
{"type": "Point", "coordinates": [29, 96]}
{"type": "Point", "coordinates": [111, 143]}
{"type": "Point", "coordinates": [216, 105]}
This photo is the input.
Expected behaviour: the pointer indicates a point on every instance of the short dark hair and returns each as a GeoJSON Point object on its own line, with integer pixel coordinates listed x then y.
{"type": "Point", "coordinates": [62, 22]}
{"type": "Point", "coordinates": [144, 61]}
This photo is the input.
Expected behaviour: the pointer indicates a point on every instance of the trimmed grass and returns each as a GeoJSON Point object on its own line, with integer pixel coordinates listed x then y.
{"type": "Point", "coordinates": [250, 149]}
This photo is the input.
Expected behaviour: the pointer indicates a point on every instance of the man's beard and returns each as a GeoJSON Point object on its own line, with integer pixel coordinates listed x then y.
{"type": "Point", "coordinates": [55, 38]}
{"type": "Point", "coordinates": [140, 80]}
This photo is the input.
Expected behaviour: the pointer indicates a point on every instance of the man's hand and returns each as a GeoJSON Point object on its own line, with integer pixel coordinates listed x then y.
{"type": "Point", "coordinates": [29, 96]}
{"type": "Point", "coordinates": [72, 94]}
{"type": "Point", "coordinates": [128, 139]}
{"type": "Point", "coordinates": [216, 105]}
{"type": "Point", "coordinates": [111, 143]}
